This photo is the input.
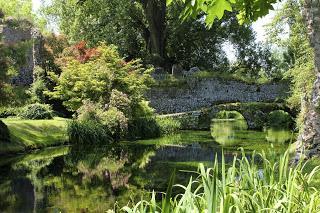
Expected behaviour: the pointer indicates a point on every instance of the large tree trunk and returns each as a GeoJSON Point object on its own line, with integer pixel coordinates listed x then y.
{"type": "Point", "coordinates": [155, 11]}
{"type": "Point", "coordinates": [309, 139]}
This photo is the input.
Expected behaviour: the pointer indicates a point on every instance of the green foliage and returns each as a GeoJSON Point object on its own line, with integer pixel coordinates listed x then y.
{"type": "Point", "coordinates": [249, 10]}
{"type": "Point", "coordinates": [12, 58]}
{"type": "Point", "coordinates": [97, 76]}
{"type": "Point", "coordinates": [120, 101]}
{"type": "Point", "coordinates": [245, 186]}
{"type": "Point", "coordinates": [89, 112]}
{"type": "Point", "coordinates": [9, 111]}
{"type": "Point", "coordinates": [17, 8]}
{"type": "Point", "coordinates": [279, 119]}
{"type": "Point", "coordinates": [88, 133]}
{"type": "Point", "coordinates": [4, 133]}
{"type": "Point", "coordinates": [189, 43]}
{"type": "Point", "coordinates": [39, 86]}
{"type": "Point", "coordinates": [142, 109]}
{"type": "Point", "coordinates": [37, 112]}
{"type": "Point", "coordinates": [116, 122]}
{"type": "Point", "coordinates": [143, 128]}
{"type": "Point", "coordinates": [229, 115]}
{"type": "Point", "coordinates": [152, 127]}
{"type": "Point", "coordinates": [168, 125]}
{"type": "Point", "coordinates": [297, 52]}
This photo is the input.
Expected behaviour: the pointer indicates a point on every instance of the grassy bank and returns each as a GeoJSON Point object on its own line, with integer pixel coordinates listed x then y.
{"type": "Point", "coordinates": [34, 134]}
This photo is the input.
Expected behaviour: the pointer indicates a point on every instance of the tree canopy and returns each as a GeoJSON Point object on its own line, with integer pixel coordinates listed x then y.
{"type": "Point", "coordinates": [249, 10]}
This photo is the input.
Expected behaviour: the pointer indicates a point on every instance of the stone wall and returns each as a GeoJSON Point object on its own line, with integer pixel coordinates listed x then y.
{"type": "Point", "coordinates": [199, 93]}
{"type": "Point", "coordinates": [12, 34]}
{"type": "Point", "coordinates": [255, 114]}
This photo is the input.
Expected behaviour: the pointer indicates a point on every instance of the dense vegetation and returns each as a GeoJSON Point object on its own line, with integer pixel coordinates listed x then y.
{"type": "Point", "coordinates": [241, 187]}
{"type": "Point", "coordinates": [89, 90]}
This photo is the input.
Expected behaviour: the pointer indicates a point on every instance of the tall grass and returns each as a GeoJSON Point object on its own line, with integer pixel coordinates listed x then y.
{"type": "Point", "coordinates": [88, 133]}
{"type": "Point", "coordinates": [250, 184]}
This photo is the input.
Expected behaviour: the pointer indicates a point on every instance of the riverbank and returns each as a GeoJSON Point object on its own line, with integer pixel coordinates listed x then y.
{"type": "Point", "coordinates": [28, 135]}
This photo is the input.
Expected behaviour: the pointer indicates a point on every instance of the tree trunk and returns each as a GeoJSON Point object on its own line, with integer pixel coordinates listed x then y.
{"type": "Point", "coordinates": [155, 11]}
{"type": "Point", "coordinates": [309, 138]}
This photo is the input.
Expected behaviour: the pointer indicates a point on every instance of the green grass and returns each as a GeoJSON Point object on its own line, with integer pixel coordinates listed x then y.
{"type": "Point", "coordinates": [34, 134]}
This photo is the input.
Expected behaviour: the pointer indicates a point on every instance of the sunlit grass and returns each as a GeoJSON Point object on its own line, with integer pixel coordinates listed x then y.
{"type": "Point", "coordinates": [32, 134]}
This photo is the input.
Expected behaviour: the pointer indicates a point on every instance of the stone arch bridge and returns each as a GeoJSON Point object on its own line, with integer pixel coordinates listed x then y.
{"type": "Point", "coordinates": [255, 114]}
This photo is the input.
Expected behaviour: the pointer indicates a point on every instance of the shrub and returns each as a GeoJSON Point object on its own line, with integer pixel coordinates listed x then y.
{"type": "Point", "coordinates": [168, 125]}
{"type": "Point", "coordinates": [273, 186]}
{"type": "Point", "coordinates": [9, 111]}
{"type": "Point", "coordinates": [88, 133]}
{"type": "Point", "coordinates": [94, 74]}
{"type": "Point", "coordinates": [116, 122]}
{"type": "Point", "coordinates": [143, 128]}
{"type": "Point", "coordinates": [142, 109]}
{"type": "Point", "coordinates": [36, 112]}
{"type": "Point", "coordinates": [4, 133]}
{"type": "Point", "coordinates": [151, 127]}
{"type": "Point", "coordinates": [89, 112]}
{"type": "Point", "coordinates": [229, 115]}
{"type": "Point", "coordinates": [120, 101]}
{"type": "Point", "coordinates": [39, 86]}
{"type": "Point", "coordinates": [279, 119]}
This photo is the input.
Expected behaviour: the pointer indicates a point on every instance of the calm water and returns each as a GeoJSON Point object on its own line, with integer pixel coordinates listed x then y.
{"type": "Point", "coordinates": [69, 179]}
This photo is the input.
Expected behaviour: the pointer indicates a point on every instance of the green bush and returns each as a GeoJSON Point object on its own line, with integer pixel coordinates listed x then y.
{"type": "Point", "coordinates": [89, 112]}
{"type": "Point", "coordinates": [279, 119]}
{"type": "Point", "coordinates": [143, 128]}
{"type": "Point", "coordinates": [36, 112]}
{"type": "Point", "coordinates": [116, 122]}
{"type": "Point", "coordinates": [9, 111]}
{"type": "Point", "coordinates": [151, 127]}
{"type": "Point", "coordinates": [229, 115]}
{"type": "Point", "coordinates": [168, 125]}
{"type": "Point", "coordinates": [88, 133]}
{"type": "Point", "coordinates": [99, 75]}
{"type": "Point", "coordinates": [4, 133]}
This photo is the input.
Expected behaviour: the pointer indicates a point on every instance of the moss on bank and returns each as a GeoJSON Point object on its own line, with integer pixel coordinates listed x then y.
{"type": "Point", "coordinates": [34, 134]}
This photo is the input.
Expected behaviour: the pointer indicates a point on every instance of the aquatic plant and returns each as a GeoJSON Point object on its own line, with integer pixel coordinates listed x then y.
{"type": "Point", "coordinates": [259, 183]}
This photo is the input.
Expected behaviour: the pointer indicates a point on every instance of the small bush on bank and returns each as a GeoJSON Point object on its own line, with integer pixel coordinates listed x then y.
{"type": "Point", "coordinates": [117, 123]}
{"type": "Point", "coordinates": [168, 125]}
{"type": "Point", "coordinates": [4, 133]}
{"type": "Point", "coordinates": [143, 128]}
{"type": "Point", "coordinates": [279, 119]}
{"type": "Point", "coordinates": [6, 112]}
{"type": "Point", "coordinates": [36, 112]}
{"type": "Point", "coordinates": [89, 112]}
{"type": "Point", "coordinates": [151, 127]}
{"type": "Point", "coordinates": [88, 132]}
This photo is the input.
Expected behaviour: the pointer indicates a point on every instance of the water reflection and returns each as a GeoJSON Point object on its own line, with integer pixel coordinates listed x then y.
{"type": "Point", "coordinates": [279, 135]}
{"type": "Point", "coordinates": [234, 132]}
{"type": "Point", "coordinates": [226, 131]}
{"type": "Point", "coordinates": [93, 179]}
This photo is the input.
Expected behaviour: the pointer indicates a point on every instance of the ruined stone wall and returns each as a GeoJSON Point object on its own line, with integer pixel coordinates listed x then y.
{"type": "Point", "coordinates": [11, 35]}
{"type": "Point", "coordinates": [199, 93]}
{"type": "Point", "coordinates": [256, 115]}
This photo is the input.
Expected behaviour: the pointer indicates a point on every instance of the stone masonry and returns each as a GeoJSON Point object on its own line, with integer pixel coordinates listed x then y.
{"type": "Point", "coordinates": [11, 35]}
{"type": "Point", "coordinates": [200, 93]}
